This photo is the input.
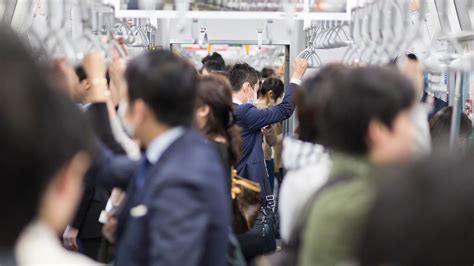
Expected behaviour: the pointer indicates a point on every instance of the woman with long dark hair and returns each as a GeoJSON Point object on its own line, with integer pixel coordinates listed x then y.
{"type": "Point", "coordinates": [215, 118]}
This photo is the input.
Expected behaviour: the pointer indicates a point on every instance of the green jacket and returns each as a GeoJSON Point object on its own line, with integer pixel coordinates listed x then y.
{"type": "Point", "coordinates": [336, 216]}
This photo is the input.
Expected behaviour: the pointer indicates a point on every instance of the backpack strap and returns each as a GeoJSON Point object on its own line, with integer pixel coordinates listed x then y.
{"type": "Point", "coordinates": [295, 237]}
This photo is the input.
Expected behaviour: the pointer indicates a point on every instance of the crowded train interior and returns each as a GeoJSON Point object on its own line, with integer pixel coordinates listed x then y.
{"type": "Point", "coordinates": [236, 132]}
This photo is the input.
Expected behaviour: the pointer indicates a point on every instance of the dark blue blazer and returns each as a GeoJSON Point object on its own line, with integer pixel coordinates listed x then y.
{"type": "Point", "coordinates": [188, 210]}
{"type": "Point", "coordinates": [252, 120]}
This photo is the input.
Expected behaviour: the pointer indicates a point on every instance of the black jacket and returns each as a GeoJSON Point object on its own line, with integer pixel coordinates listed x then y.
{"type": "Point", "coordinates": [95, 197]}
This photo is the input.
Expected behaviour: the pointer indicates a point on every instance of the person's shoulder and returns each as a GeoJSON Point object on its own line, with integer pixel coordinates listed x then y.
{"type": "Point", "coordinates": [194, 152]}
{"type": "Point", "coordinates": [345, 201]}
{"type": "Point", "coordinates": [356, 188]}
{"type": "Point", "coordinates": [243, 107]}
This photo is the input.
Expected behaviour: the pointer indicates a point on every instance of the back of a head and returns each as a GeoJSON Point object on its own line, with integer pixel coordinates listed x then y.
{"type": "Point", "coordinates": [311, 97]}
{"type": "Point", "coordinates": [422, 215]}
{"type": "Point", "coordinates": [215, 91]}
{"type": "Point", "coordinates": [440, 127]}
{"type": "Point", "coordinates": [272, 84]}
{"type": "Point", "coordinates": [213, 66]}
{"type": "Point", "coordinates": [359, 96]}
{"type": "Point", "coordinates": [216, 57]}
{"type": "Point", "coordinates": [166, 83]}
{"type": "Point", "coordinates": [241, 73]}
{"type": "Point", "coordinates": [267, 72]}
{"type": "Point", "coordinates": [40, 131]}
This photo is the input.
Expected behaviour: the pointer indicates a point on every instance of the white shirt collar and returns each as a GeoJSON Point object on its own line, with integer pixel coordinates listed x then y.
{"type": "Point", "coordinates": [159, 145]}
{"type": "Point", "coordinates": [236, 101]}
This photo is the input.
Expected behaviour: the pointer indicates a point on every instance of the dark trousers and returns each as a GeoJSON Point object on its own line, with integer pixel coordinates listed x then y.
{"type": "Point", "coordinates": [90, 247]}
{"type": "Point", "coordinates": [271, 172]}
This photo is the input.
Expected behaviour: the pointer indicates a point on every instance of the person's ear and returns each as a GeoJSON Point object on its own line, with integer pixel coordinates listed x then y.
{"type": "Point", "coordinates": [142, 111]}
{"type": "Point", "coordinates": [271, 95]}
{"type": "Point", "coordinates": [203, 111]}
{"type": "Point", "coordinates": [246, 87]}
{"type": "Point", "coordinates": [377, 132]}
{"type": "Point", "coordinates": [86, 84]}
{"type": "Point", "coordinates": [69, 177]}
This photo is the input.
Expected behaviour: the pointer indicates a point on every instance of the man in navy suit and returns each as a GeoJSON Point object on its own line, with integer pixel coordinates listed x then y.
{"type": "Point", "coordinates": [177, 208]}
{"type": "Point", "coordinates": [245, 83]}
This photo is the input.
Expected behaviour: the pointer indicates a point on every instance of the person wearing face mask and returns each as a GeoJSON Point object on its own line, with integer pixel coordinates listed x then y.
{"type": "Point", "coordinates": [251, 165]}
{"type": "Point", "coordinates": [245, 84]}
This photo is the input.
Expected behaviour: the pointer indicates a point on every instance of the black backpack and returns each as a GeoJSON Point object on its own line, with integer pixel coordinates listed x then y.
{"type": "Point", "coordinates": [288, 255]}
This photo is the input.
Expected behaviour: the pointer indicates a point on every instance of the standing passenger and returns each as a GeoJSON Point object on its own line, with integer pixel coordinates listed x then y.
{"type": "Point", "coordinates": [366, 122]}
{"type": "Point", "coordinates": [245, 83]}
{"type": "Point", "coordinates": [177, 210]}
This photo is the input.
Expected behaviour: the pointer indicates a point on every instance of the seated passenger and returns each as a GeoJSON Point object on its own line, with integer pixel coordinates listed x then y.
{"type": "Point", "coordinates": [366, 122]}
{"type": "Point", "coordinates": [46, 146]}
{"type": "Point", "coordinates": [422, 215]}
{"type": "Point", "coordinates": [177, 210]}
{"type": "Point", "coordinates": [306, 161]}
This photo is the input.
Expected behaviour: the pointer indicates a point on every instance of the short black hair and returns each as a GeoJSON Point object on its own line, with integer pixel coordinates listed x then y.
{"type": "Point", "coordinates": [165, 82]}
{"type": "Point", "coordinates": [272, 84]}
{"type": "Point", "coordinates": [241, 73]}
{"type": "Point", "coordinates": [440, 126]}
{"type": "Point", "coordinates": [359, 96]}
{"type": "Point", "coordinates": [422, 215]}
{"type": "Point", "coordinates": [267, 72]}
{"type": "Point", "coordinates": [214, 57]}
{"type": "Point", "coordinates": [213, 66]}
{"type": "Point", "coordinates": [311, 97]}
{"type": "Point", "coordinates": [40, 131]}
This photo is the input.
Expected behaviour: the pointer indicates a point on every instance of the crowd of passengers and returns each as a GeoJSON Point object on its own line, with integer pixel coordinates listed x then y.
{"type": "Point", "coordinates": [136, 162]}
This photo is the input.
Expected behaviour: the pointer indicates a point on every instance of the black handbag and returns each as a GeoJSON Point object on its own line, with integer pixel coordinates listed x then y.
{"type": "Point", "coordinates": [261, 239]}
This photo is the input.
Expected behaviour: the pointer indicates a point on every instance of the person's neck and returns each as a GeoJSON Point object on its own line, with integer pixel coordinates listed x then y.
{"type": "Point", "coordinates": [379, 158]}
{"type": "Point", "coordinates": [263, 101]}
{"type": "Point", "coordinates": [219, 139]}
{"type": "Point", "coordinates": [240, 96]}
{"type": "Point", "coordinates": [154, 131]}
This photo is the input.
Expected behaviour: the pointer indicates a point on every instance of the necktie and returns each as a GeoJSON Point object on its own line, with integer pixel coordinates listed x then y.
{"type": "Point", "coordinates": [142, 171]}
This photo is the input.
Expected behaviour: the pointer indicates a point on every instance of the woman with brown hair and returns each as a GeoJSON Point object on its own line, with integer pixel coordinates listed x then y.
{"type": "Point", "coordinates": [215, 118]}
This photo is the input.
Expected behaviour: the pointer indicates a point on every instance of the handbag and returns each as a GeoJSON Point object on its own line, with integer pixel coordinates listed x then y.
{"type": "Point", "coordinates": [261, 239]}
{"type": "Point", "coordinates": [245, 203]}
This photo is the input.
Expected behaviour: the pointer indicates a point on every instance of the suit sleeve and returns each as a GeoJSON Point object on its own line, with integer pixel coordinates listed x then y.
{"type": "Point", "coordinates": [110, 170]}
{"type": "Point", "coordinates": [258, 118]}
{"type": "Point", "coordinates": [178, 222]}
{"type": "Point", "coordinates": [98, 117]}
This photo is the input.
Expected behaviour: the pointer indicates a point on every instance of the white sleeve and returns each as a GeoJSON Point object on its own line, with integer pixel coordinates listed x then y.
{"type": "Point", "coordinates": [130, 147]}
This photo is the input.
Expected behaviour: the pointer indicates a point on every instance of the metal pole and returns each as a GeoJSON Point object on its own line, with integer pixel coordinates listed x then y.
{"type": "Point", "coordinates": [456, 116]}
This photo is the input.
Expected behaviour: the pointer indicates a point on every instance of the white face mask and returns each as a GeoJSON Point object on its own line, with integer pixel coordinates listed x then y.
{"type": "Point", "coordinates": [128, 127]}
{"type": "Point", "coordinates": [254, 99]}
